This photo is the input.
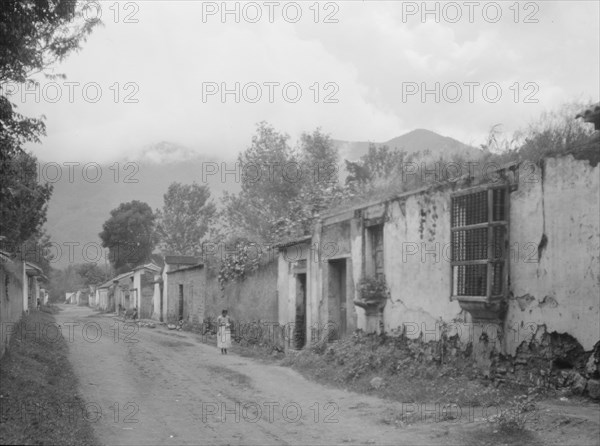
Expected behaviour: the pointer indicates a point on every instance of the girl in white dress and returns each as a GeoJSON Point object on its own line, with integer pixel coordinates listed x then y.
{"type": "Point", "coordinates": [224, 332]}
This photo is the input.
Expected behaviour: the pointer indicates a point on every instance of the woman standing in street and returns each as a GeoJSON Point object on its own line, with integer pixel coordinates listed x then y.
{"type": "Point", "coordinates": [224, 332]}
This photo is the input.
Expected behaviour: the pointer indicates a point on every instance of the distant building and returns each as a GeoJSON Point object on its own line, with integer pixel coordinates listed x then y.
{"type": "Point", "coordinates": [32, 275]}
{"type": "Point", "coordinates": [187, 294]}
{"type": "Point", "coordinates": [162, 293]}
{"type": "Point", "coordinates": [143, 289]}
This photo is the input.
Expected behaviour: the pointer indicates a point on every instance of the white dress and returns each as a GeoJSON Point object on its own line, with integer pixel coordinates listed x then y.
{"type": "Point", "coordinates": [223, 332]}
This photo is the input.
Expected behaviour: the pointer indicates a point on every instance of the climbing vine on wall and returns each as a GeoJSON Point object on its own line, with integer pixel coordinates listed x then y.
{"type": "Point", "coordinates": [235, 265]}
{"type": "Point", "coordinates": [428, 209]}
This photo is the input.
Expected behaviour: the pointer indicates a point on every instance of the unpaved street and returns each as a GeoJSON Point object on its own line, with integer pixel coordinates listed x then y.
{"type": "Point", "coordinates": [170, 388]}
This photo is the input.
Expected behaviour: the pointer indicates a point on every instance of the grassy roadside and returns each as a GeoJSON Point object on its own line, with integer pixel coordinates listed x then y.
{"type": "Point", "coordinates": [396, 369]}
{"type": "Point", "coordinates": [443, 386]}
{"type": "Point", "coordinates": [38, 399]}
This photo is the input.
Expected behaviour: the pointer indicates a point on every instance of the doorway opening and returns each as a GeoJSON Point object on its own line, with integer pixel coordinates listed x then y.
{"type": "Point", "coordinates": [337, 298]}
{"type": "Point", "coordinates": [300, 322]}
{"type": "Point", "coordinates": [180, 302]}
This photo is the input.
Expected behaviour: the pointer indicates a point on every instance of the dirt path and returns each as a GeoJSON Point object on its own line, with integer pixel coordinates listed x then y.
{"type": "Point", "coordinates": [169, 388]}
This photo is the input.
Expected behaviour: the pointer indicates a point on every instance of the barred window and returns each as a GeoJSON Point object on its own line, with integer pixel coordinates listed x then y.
{"type": "Point", "coordinates": [479, 226]}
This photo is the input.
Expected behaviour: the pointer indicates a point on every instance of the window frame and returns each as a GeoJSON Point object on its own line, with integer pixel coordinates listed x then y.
{"type": "Point", "coordinates": [490, 259]}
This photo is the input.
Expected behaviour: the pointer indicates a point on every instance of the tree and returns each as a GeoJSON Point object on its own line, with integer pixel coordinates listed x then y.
{"type": "Point", "coordinates": [38, 249]}
{"type": "Point", "coordinates": [33, 36]}
{"type": "Point", "coordinates": [91, 274]}
{"type": "Point", "coordinates": [185, 218]}
{"type": "Point", "coordinates": [268, 184]}
{"type": "Point", "coordinates": [64, 281]}
{"type": "Point", "coordinates": [73, 278]}
{"type": "Point", "coordinates": [130, 235]}
{"type": "Point", "coordinates": [378, 163]}
{"type": "Point", "coordinates": [24, 202]}
{"type": "Point", "coordinates": [318, 190]}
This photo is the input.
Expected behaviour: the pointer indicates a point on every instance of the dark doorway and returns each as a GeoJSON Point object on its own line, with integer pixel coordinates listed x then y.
{"type": "Point", "coordinates": [161, 302]}
{"type": "Point", "coordinates": [337, 298]}
{"type": "Point", "coordinates": [300, 323]}
{"type": "Point", "coordinates": [180, 302]}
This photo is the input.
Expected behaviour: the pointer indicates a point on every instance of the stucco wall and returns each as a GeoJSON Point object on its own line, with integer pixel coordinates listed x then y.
{"type": "Point", "coordinates": [11, 300]}
{"type": "Point", "coordinates": [561, 290]}
{"type": "Point", "coordinates": [417, 268]}
{"type": "Point", "coordinates": [194, 294]}
{"type": "Point", "coordinates": [123, 294]}
{"type": "Point", "coordinates": [146, 295]}
{"type": "Point", "coordinates": [557, 292]}
{"type": "Point", "coordinates": [102, 298]}
{"type": "Point", "coordinates": [252, 299]}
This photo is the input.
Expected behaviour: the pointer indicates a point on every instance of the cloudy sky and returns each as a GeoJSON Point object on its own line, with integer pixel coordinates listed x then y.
{"type": "Point", "coordinates": [359, 72]}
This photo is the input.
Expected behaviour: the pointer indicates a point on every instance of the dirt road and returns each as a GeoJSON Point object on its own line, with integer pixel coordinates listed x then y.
{"type": "Point", "coordinates": [155, 386]}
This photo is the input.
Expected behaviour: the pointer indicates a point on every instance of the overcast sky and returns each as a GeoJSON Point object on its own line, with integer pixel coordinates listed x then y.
{"type": "Point", "coordinates": [374, 62]}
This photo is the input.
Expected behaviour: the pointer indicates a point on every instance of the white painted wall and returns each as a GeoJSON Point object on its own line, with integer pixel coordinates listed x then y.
{"type": "Point", "coordinates": [564, 286]}
{"type": "Point", "coordinates": [560, 292]}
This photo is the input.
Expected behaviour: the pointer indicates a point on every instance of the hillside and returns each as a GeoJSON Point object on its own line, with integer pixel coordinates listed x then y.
{"type": "Point", "coordinates": [416, 141]}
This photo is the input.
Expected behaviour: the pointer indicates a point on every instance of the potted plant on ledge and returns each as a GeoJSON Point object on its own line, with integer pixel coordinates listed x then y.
{"type": "Point", "coordinates": [373, 293]}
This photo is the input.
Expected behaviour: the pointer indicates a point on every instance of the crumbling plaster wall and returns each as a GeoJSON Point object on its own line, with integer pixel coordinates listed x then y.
{"type": "Point", "coordinates": [559, 292]}
{"type": "Point", "coordinates": [417, 264]}
{"type": "Point", "coordinates": [555, 280]}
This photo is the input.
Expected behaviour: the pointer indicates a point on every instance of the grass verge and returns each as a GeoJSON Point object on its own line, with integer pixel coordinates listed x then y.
{"type": "Point", "coordinates": [38, 401]}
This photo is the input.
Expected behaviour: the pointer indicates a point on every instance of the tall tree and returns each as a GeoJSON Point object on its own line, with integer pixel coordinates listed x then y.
{"type": "Point", "coordinates": [34, 35]}
{"type": "Point", "coordinates": [319, 188]}
{"type": "Point", "coordinates": [185, 218]}
{"type": "Point", "coordinates": [268, 182]}
{"type": "Point", "coordinates": [23, 201]}
{"type": "Point", "coordinates": [130, 235]}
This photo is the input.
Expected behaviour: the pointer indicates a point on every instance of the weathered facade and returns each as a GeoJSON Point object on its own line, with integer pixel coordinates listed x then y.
{"type": "Point", "coordinates": [143, 289]}
{"type": "Point", "coordinates": [19, 293]}
{"type": "Point", "coordinates": [102, 296]}
{"type": "Point", "coordinates": [11, 297]}
{"type": "Point", "coordinates": [32, 274]}
{"type": "Point", "coordinates": [122, 287]}
{"type": "Point", "coordinates": [187, 294]}
{"type": "Point", "coordinates": [161, 296]}
{"type": "Point", "coordinates": [253, 298]}
{"type": "Point", "coordinates": [499, 262]}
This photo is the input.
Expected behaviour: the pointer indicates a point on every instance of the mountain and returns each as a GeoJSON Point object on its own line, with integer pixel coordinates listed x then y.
{"type": "Point", "coordinates": [79, 207]}
{"type": "Point", "coordinates": [416, 141]}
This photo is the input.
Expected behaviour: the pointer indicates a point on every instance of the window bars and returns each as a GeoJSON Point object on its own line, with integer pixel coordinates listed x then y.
{"type": "Point", "coordinates": [479, 227]}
